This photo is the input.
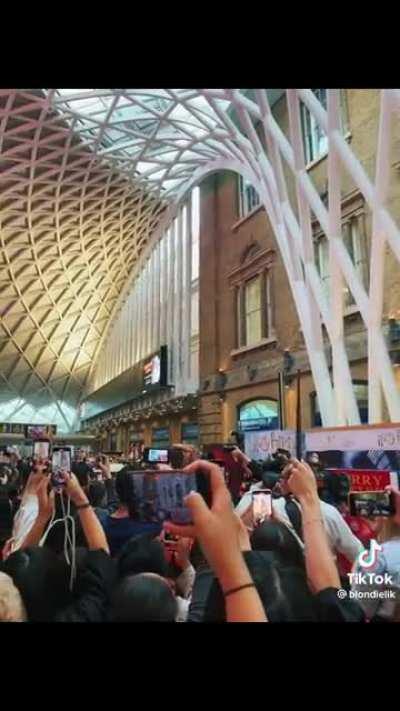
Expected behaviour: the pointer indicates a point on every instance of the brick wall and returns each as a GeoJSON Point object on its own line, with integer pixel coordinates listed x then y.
{"type": "Point", "coordinates": [223, 239]}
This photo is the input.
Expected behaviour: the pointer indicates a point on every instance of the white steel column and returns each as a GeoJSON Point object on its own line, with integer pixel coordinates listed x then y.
{"type": "Point", "coordinates": [135, 295]}
{"type": "Point", "coordinates": [147, 309]}
{"type": "Point", "coordinates": [171, 298]}
{"type": "Point", "coordinates": [187, 298]}
{"type": "Point", "coordinates": [148, 306]}
{"type": "Point", "coordinates": [124, 340]}
{"type": "Point", "coordinates": [134, 323]}
{"type": "Point", "coordinates": [120, 339]}
{"type": "Point", "coordinates": [316, 351]}
{"type": "Point", "coordinates": [157, 289]}
{"type": "Point", "coordinates": [178, 304]}
{"type": "Point", "coordinates": [130, 329]}
{"type": "Point", "coordinates": [141, 330]}
{"type": "Point", "coordinates": [128, 325]}
{"type": "Point", "coordinates": [346, 404]}
{"type": "Point", "coordinates": [152, 299]}
{"type": "Point", "coordinates": [164, 288]}
{"type": "Point", "coordinates": [377, 263]}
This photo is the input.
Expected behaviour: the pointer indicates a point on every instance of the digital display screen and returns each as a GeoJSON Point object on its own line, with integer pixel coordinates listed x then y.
{"type": "Point", "coordinates": [152, 371]}
{"type": "Point", "coordinates": [39, 431]}
{"type": "Point", "coordinates": [155, 369]}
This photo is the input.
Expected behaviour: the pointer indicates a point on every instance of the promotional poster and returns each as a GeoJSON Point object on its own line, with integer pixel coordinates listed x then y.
{"type": "Point", "coordinates": [260, 445]}
{"type": "Point", "coordinates": [366, 448]}
{"type": "Point", "coordinates": [368, 479]}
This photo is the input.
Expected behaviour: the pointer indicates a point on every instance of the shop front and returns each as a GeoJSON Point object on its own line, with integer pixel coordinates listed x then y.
{"type": "Point", "coordinates": [161, 437]}
{"type": "Point", "coordinates": [190, 433]}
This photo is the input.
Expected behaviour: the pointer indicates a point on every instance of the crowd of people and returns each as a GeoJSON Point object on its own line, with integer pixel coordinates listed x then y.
{"type": "Point", "coordinates": [81, 553]}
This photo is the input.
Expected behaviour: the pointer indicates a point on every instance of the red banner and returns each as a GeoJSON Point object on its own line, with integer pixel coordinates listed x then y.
{"type": "Point", "coordinates": [368, 479]}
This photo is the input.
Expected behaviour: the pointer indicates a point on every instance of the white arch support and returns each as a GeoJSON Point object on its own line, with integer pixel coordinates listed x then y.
{"type": "Point", "coordinates": [91, 178]}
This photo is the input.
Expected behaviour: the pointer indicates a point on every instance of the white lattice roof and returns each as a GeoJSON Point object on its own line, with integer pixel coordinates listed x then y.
{"type": "Point", "coordinates": [85, 176]}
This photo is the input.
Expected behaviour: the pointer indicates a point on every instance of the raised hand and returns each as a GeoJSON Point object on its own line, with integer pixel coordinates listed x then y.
{"type": "Point", "coordinates": [300, 479]}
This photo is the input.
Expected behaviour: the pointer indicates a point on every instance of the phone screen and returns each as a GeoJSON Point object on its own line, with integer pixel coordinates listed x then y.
{"type": "Point", "coordinates": [60, 465]}
{"type": "Point", "coordinates": [159, 496]}
{"type": "Point", "coordinates": [156, 456]}
{"type": "Point", "coordinates": [41, 450]}
{"type": "Point", "coordinates": [262, 505]}
{"type": "Point", "coordinates": [371, 503]}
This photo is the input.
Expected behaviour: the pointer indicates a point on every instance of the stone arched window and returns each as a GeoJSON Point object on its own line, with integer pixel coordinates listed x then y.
{"type": "Point", "coordinates": [252, 284]}
{"type": "Point", "coordinates": [258, 414]}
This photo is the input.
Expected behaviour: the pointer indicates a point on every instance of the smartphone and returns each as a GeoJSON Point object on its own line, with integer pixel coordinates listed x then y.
{"type": "Point", "coordinates": [261, 505]}
{"type": "Point", "coordinates": [158, 496]}
{"type": "Point", "coordinates": [372, 503]}
{"type": "Point", "coordinates": [155, 455]}
{"type": "Point", "coordinates": [60, 466]}
{"type": "Point", "coordinates": [229, 447]}
{"type": "Point", "coordinates": [41, 449]}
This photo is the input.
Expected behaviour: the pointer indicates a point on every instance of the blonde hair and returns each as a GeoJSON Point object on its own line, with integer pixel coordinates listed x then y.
{"type": "Point", "coordinates": [12, 608]}
{"type": "Point", "coordinates": [185, 447]}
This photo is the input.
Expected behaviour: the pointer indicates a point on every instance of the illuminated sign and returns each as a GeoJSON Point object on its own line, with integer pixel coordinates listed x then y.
{"type": "Point", "coordinates": [40, 431]}
{"type": "Point", "coordinates": [155, 369]}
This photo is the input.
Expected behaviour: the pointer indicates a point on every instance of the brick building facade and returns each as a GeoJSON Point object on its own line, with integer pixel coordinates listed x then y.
{"type": "Point", "coordinates": [236, 250]}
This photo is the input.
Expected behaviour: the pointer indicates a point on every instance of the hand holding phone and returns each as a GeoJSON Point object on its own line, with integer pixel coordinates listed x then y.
{"type": "Point", "coordinates": [61, 467]}
{"type": "Point", "coordinates": [156, 455]}
{"type": "Point", "coordinates": [41, 450]}
{"type": "Point", "coordinates": [370, 504]}
{"type": "Point", "coordinates": [216, 527]}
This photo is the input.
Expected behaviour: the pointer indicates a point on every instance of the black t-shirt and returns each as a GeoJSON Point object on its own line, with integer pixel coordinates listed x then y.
{"type": "Point", "coordinates": [82, 470]}
{"type": "Point", "coordinates": [92, 590]}
{"type": "Point", "coordinates": [296, 605]}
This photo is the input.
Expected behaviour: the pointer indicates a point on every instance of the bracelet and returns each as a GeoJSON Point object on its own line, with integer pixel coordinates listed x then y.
{"type": "Point", "coordinates": [83, 506]}
{"type": "Point", "coordinates": [313, 520]}
{"type": "Point", "coordinates": [241, 587]}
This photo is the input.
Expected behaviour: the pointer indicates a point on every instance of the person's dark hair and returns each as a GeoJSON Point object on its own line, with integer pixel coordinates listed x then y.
{"type": "Point", "coordinates": [176, 457]}
{"type": "Point", "coordinates": [6, 513]}
{"type": "Point", "coordinates": [282, 588]}
{"type": "Point", "coordinates": [42, 578]}
{"type": "Point", "coordinates": [81, 470]}
{"type": "Point", "coordinates": [125, 490]}
{"type": "Point", "coordinates": [142, 555]}
{"type": "Point", "coordinates": [96, 493]}
{"type": "Point", "coordinates": [143, 598]}
{"type": "Point", "coordinates": [275, 536]}
{"type": "Point", "coordinates": [336, 488]}
{"type": "Point", "coordinates": [256, 470]}
{"type": "Point", "coordinates": [270, 479]}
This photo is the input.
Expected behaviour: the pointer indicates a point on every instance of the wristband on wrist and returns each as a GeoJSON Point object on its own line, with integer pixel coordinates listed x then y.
{"type": "Point", "coordinates": [240, 587]}
{"type": "Point", "coordinates": [317, 519]}
{"type": "Point", "coordinates": [83, 506]}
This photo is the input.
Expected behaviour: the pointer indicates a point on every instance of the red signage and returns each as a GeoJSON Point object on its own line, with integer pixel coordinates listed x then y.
{"type": "Point", "coordinates": [368, 479]}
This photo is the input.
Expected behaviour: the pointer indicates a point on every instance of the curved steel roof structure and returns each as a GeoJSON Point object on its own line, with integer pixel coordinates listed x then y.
{"type": "Point", "coordinates": [87, 175]}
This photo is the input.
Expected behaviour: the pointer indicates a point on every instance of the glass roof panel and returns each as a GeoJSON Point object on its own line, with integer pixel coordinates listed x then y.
{"type": "Point", "coordinates": [136, 125]}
